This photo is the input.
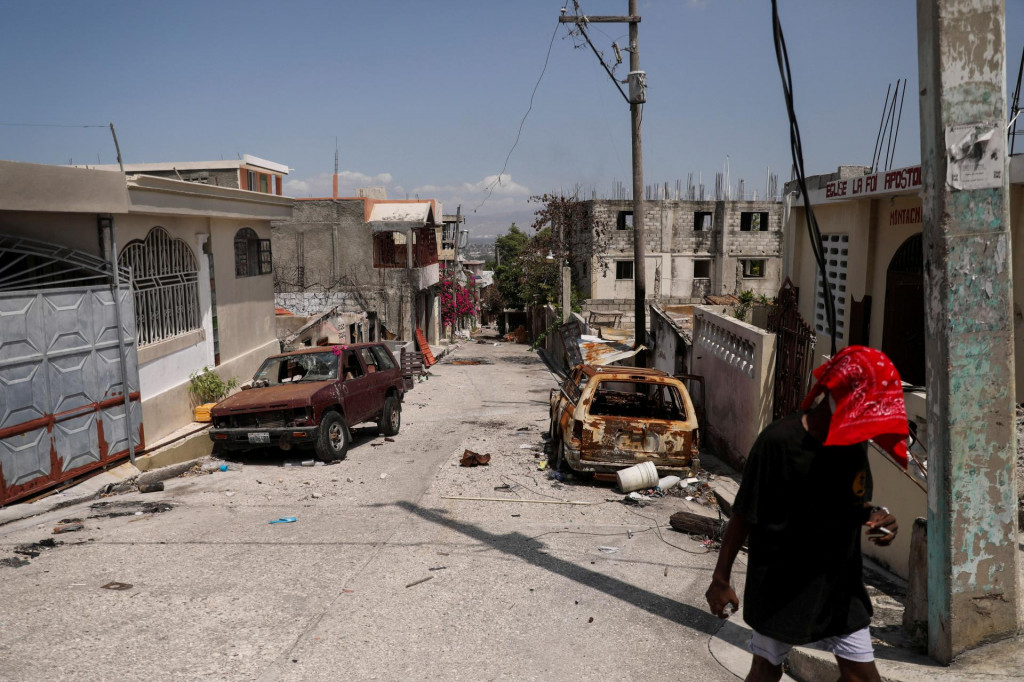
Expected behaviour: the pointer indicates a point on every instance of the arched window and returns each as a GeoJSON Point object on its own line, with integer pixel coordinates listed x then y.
{"type": "Point", "coordinates": [165, 276]}
{"type": "Point", "coordinates": [252, 254]}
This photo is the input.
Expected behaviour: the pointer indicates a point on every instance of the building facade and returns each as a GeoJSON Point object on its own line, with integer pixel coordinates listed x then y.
{"type": "Point", "coordinates": [694, 249]}
{"type": "Point", "coordinates": [362, 255]}
{"type": "Point", "coordinates": [196, 290]}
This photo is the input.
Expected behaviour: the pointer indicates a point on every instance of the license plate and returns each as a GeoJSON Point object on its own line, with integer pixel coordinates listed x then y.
{"type": "Point", "coordinates": [259, 437]}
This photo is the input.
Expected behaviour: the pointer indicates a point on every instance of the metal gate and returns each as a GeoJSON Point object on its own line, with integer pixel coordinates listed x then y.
{"type": "Point", "coordinates": [62, 397]}
{"type": "Point", "coordinates": [794, 356]}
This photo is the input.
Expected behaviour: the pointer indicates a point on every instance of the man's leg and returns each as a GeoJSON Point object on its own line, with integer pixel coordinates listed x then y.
{"type": "Point", "coordinates": [857, 671]}
{"type": "Point", "coordinates": [763, 670]}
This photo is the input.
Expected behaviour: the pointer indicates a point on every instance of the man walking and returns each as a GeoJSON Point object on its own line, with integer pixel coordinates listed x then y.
{"type": "Point", "coordinates": [806, 491]}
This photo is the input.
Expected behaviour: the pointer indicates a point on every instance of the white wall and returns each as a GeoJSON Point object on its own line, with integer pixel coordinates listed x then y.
{"type": "Point", "coordinates": [737, 361]}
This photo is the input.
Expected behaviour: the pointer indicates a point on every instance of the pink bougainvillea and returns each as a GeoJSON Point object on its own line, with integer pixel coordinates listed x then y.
{"type": "Point", "coordinates": [338, 349]}
{"type": "Point", "coordinates": [457, 302]}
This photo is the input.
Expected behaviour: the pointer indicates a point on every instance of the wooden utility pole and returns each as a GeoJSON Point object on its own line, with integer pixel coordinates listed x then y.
{"type": "Point", "coordinates": [636, 98]}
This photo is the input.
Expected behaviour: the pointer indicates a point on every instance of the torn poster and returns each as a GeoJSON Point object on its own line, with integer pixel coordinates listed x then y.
{"type": "Point", "coordinates": [975, 156]}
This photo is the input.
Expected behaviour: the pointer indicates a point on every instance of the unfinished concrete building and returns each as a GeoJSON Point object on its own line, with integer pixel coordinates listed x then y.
{"type": "Point", "coordinates": [694, 249]}
{"type": "Point", "coordinates": [361, 255]}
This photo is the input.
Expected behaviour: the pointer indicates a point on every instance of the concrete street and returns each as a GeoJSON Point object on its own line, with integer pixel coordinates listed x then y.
{"type": "Point", "coordinates": [517, 590]}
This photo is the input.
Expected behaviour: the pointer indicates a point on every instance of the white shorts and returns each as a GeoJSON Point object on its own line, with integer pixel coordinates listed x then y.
{"type": "Point", "coordinates": [855, 647]}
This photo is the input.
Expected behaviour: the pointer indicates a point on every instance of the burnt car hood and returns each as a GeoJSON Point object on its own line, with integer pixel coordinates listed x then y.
{"type": "Point", "coordinates": [270, 398]}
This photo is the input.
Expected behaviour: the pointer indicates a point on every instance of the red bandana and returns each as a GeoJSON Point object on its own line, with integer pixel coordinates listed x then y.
{"type": "Point", "coordinates": [868, 397]}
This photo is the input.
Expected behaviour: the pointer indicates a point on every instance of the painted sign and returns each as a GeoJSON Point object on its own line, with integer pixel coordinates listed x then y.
{"type": "Point", "coordinates": [884, 182]}
{"type": "Point", "coordinates": [905, 216]}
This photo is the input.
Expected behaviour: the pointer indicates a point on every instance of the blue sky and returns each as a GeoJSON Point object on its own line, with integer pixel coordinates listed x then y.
{"type": "Point", "coordinates": [425, 97]}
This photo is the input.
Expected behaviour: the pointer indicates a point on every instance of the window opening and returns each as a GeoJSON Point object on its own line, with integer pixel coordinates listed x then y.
{"type": "Point", "coordinates": [252, 255]}
{"type": "Point", "coordinates": [703, 221]}
{"type": "Point", "coordinates": [637, 399]}
{"type": "Point", "coordinates": [753, 268]}
{"type": "Point", "coordinates": [625, 220]}
{"type": "Point", "coordinates": [702, 269]}
{"type": "Point", "coordinates": [623, 269]}
{"type": "Point", "coordinates": [165, 277]}
{"type": "Point", "coordinates": [753, 222]}
{"type": "Point", "coordinates": [836, 249]}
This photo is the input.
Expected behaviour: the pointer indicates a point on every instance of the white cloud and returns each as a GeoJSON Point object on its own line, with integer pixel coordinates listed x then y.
{"type": "Point", "coordinates": [502, 185]}
{"type": "Point", "coordinates": [322, 185]}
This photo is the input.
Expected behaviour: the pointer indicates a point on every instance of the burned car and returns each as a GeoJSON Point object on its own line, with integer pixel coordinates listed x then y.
{"type": "Point", "coordinates": [604, 418]}
{"type": "Point", "coordinates": [313, 397]}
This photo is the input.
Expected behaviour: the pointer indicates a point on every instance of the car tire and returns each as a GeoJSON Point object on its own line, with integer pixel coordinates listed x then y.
{"type": "Point", "coordinates": [557, 460]}
{"type": "Point", "coordinates": [391, 418]}
{"type": "Point", "coordinates": [333, 438]}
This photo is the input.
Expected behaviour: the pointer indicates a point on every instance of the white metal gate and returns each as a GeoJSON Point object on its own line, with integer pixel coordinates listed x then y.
{"type": "Point", "coordinates": [62, 398]}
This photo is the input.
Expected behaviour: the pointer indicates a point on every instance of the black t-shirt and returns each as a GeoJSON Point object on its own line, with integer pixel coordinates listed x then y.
{"type": "Point", "coordinates": [805, 504]}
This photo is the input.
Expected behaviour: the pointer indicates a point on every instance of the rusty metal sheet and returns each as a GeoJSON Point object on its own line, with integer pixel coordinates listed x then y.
{"type": "Point", "coordinates": [600, 352]}
{"type": "Point", "coordinates": [62, 409]}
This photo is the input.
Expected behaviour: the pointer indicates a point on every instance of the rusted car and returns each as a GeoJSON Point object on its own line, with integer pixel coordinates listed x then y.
{"type": "Point", "coordinates": [312, 398]}
{"type": "Point", "coordinates": [604, 418]}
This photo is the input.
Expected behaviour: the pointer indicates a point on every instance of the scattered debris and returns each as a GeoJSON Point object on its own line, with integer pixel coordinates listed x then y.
{"type": "Point", "coordinates": [284, 519]}
{"type": "Point", "coordinates": [157, 487]}
{"type": "Point", "coordinates": [472, 459]}
{"type": "Point", "coordinates": [608, 550]}
{"type": "Point", "coordinates": [421, 580]}
{"type": "Point", "coordinates": [444, 554]}
{"type": "Point", "coordinates": [316, 496]}
{"type": "Point", "coordinates": [505, 499]}
{"type": "Point", "coordinates": [67, 528]}
{"type": "Point", "coordinates": [383, 476]}
{"type": "Point", "coordinates": [298, 463]}
{"type": "Point", "coordinates": [697, 524]}
{"type": "Point", "coordinates": [14, 562]}
{"type": "Point", "coordinates": [542, 465]}
{"type": "Point", "coordinates": [111, 510]}
{"type": "Point", "coordinates": [389, 440]}
{"type": "Point", "coordinates": [345, 590]}
{"type": "Point", "coordinates": [524, 428]}
{"type": "Point", "coordinates": [34, 549]}
{"type": "Point", "coordinates": [437, 568]}
{"type": "Point", "coordinates": [114, 585]}
{"type": "Point", "coordinates": [666, 571]}
{"type": "Point", "coordinates": [504, 487]}
{"type": "Point", "coordinates": [529, 446]}
{"type": "Point", "coordinates": [591, 619]}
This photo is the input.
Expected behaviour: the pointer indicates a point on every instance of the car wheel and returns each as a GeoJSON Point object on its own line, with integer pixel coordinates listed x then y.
{"type": "Point", "coordinates": [557, 459]}
{"type": "Point", "coordinates": [333, 439]}
{"type": "Point", "coordinates": [391, 417]}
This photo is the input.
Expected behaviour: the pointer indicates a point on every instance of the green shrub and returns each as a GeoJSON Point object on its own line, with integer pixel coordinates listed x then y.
{"type": "Point", "coordinates": [208, 387]}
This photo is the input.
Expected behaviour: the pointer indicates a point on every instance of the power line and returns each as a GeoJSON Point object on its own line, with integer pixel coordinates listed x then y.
{"type": "Point", "coordinates": [547, 58]}
{"type": "Point", "coordinates": [51, 125]}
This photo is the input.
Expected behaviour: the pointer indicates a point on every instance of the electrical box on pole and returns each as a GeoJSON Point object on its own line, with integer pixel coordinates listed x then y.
{"type": "Point", "coordinates": [637, 87]}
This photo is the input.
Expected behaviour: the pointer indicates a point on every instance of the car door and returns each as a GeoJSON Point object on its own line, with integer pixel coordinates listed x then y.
{"type": "Point", "coordinates": [355, 389]}
{"type": "Point", "coordinates": [375, 380]}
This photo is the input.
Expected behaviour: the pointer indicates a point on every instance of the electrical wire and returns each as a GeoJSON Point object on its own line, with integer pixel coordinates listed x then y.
{"type": "Point", "coordinates": [51, 125]}
{"type": "Point", "coordinates": [662, 537]}
{"type": "Point", "coordinates": [547, 58]}
{"type": "Point", "coordinates": [796, 149]}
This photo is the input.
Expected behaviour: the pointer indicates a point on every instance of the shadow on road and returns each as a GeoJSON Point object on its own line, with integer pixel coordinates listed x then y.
{"type": "Point", "coordinates": [532, 551]}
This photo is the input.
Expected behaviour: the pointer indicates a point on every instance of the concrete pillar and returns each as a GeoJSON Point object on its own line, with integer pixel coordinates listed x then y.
{"type": "Point", "coordinates": [973, 591]}
{"type": "Point", "coordinates": [566, 293]}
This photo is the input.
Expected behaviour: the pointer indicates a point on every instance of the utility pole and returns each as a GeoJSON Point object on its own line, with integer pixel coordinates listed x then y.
{"type": "Point", "coordinates": [636, 98]}
{"type": "Point", "coordinates": [973, 588]}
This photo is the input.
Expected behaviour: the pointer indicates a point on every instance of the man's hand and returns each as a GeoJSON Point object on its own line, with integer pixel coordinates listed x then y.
{"type": "Point", "coordinates": [882, 527]}
{"type": "Point", "coordinates": [720, 595]}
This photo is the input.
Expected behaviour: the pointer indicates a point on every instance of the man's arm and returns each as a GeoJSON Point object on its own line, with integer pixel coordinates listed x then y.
{"type": "Point", "coordinates": [882, 526]}
{"type": "Point", "coordinates": [720, 594]}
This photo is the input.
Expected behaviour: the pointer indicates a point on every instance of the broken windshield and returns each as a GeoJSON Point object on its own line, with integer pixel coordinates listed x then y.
{"type": "Point", "coordinates": [294, 368]}
{"type": "Point", "coordinates": [637, 399]}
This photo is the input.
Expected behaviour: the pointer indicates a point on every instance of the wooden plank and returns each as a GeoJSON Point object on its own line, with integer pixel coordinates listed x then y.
{"type": "Point", "coordinates": [421, 341]}
{"type": "Point", "coordinates": [697, 524]}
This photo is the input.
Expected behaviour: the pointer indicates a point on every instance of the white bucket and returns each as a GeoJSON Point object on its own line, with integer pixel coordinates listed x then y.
{"type": "Point", "coordinates": [668, 482]}
{"type": "Point", "coordinates": [638, 477]}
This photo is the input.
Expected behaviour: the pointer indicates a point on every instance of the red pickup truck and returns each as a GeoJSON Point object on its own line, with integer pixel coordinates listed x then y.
{"type": "Point", "coordinates": [313, 397]}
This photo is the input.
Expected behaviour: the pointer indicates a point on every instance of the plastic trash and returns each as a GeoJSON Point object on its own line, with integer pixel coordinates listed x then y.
{"type": "Point", "coordinates": [608, 550]}
{"type": "Point", "coordinates": [284, 519]}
